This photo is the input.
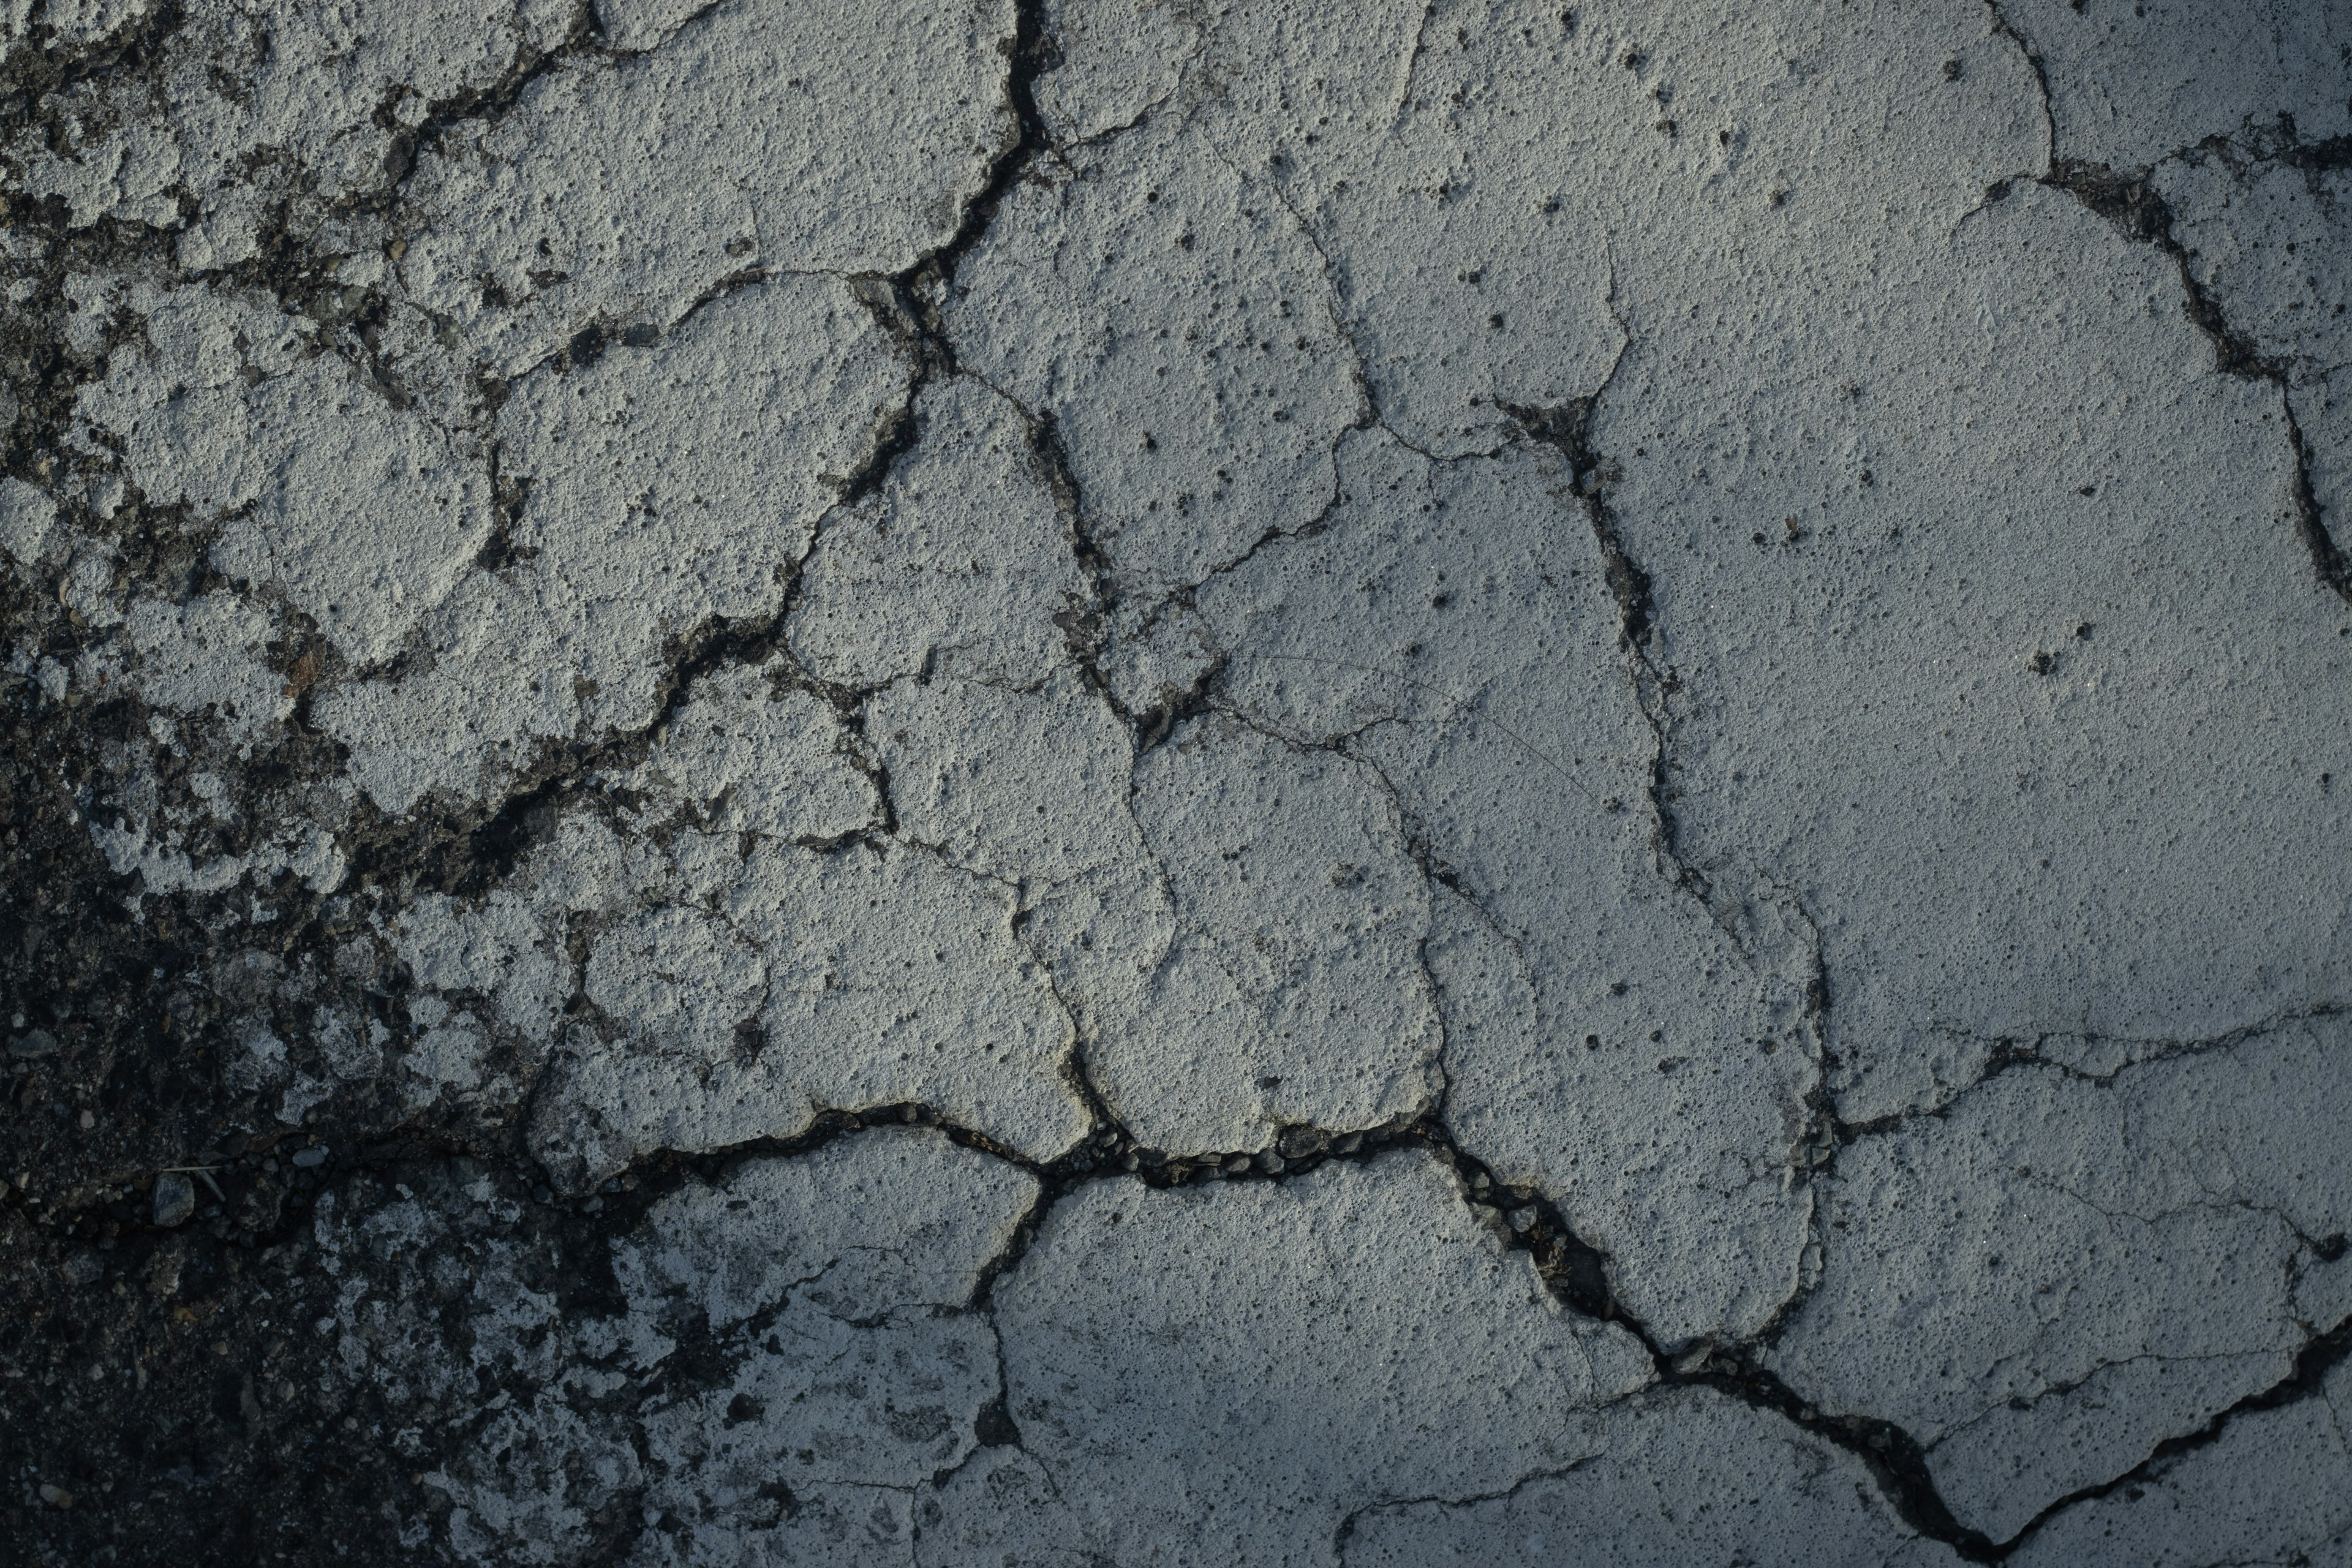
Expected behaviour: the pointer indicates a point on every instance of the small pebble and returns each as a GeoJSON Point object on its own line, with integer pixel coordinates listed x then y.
{"type": "Point", "coordinates": [55, 1497]}
{"type": "Point", "coordinates": [1523, 1220]}
{"type": "Point", "coordinates": [1238, 1163]}
{"type": "Point", "coordinates": [310, 1158]}
{"type": "Point", "coordinates": [1301, 1142]}
{"type": "Point", "coordinates": [175, 1199]}
{"type": "Point", "coordinates": [1270, 1163]}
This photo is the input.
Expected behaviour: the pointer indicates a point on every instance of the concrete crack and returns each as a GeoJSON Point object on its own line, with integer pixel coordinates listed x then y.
{"type": "Point", "coordinates": [1566, 429]}
{"type": "Point", "coordinates": [2002, 27]}
{"type": "Point", "coordinates": [2006, 1054]}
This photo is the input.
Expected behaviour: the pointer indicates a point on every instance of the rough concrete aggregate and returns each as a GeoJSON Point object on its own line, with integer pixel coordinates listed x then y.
{"type": "Point", "coordinates": [1053, 784]}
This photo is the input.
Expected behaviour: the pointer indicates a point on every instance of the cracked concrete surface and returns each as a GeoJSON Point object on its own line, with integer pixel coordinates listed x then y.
{"type": "Point", "coordinates": [1058, 783]}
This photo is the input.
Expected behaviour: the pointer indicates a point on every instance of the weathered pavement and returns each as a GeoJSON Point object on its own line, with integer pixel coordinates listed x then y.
{"type": "Point", "coordinates": [1046, 785]}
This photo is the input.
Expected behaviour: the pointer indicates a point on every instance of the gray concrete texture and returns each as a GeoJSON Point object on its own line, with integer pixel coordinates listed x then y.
{"type": "Point", "coordinates": [1120, 783]}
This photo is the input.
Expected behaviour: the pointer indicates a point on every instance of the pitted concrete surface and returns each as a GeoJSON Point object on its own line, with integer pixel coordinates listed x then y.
{"type": "Point", "coordinates": [1047, 784]}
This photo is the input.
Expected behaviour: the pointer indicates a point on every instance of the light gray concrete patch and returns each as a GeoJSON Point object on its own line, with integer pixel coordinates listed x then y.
{"type": "Point", "coordinates": [366, 515]}
{"type": "Point", "coordinates": [1165, 1352]}
{"type": "Point", "coordinates": [2046, 660]}
{"type": "Point", "coordinates": [1172, 316]}
{"type": "Point", "coordinates": [755, 140]}
{"type": "Point", "coordinates": [642, 468]}
{"type": "Point", "coordinates": [2131, 85]}
{"type": "Point", "coordinates": [730, 986]}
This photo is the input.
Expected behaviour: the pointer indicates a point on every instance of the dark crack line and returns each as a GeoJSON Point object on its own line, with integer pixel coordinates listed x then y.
{"type": "Point", "coordinates": [1085, 623]}
{"type": "Point", "coordinates": [2327, 558]}
{"type": "Point", "coordinates": [1567, 429]}
{"type": "Point", "coordinates": [584, 35]}
{"type": "Point", "coordinates": [2003, 27]}
{"type": "Point", "coordinates": [916, 294]}
{"type": "Point", "coordinates": [1345, 1532]}
{"type": "Point", "coordinates": [2011, 1052]}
